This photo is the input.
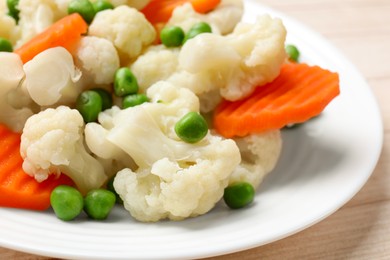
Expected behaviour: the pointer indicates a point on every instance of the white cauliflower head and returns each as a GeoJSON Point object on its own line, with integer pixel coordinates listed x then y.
{"type": "Point", "coordinates": [98, 60]}
{"type": "Point", "coordinates": [126, 28]}
{"type": "Point", "coordinates": [155, 64]}
{"type": "Point", "coordinates": [11, 77]}
{"type": "Point", "coordinates": [239, 62]}
{"type": "Point", "coordinates": [51, 77]}
{"type": "Point", "coordinates": [179, 189]}
{"type": "Point", "coordinates": [259, 155]}
{"type": "Point", "coordinates": [227, 15]}
{"type": "Point", "coordinates": [52, 143]}
{"type": "Point", "coordinates": [173, 179]}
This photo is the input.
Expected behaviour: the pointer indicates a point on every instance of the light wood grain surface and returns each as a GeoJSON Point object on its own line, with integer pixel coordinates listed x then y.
{"type": "Point", "coordinates": [361, 228]}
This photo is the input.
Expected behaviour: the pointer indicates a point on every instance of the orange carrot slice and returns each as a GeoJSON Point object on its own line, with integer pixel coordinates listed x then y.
{"type": "Point", "coordinates": [17, 189]}
{"type": "Point", "coordinates": [299, 93]}
{"type": "Point", "coordinates": [66, 32]}
{"type": "Point", "coordinates": [158, 11]}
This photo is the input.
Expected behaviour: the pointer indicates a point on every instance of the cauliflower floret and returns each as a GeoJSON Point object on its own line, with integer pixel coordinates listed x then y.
{"type": "Point", "coordinates": [155, 64]}
{"type": "Point", "coordinates": [8, 27]}
{"type": "Point", "coordinates": [173, 179]}
{"type": "Point", "coordinates": [222, 19]}
{"type": "Point", "coordinates": [212, 65]}
{"type": "Point", "coordinates": [111, 157]}
{"type": "Point", "coordinates": [227, 15]}
{"type": "Point", "coordinates": [52, 143]}
{"type": "Point", "coordinates": [35, 16]}
{"type": "Point", "coordinates": [126, 28]}
{"type": "Point", "coordinates": [259, 154]}
{"type": "Point", "coordinates": [179, 189]}
{"type": "Point", "coordinates": [98, 60]}
{"type": "Point", "coordinates": [11, 76]}
{"type": "Point", "coordinates": [249, 57]}
{"type": "Point", "coordinates": [51, 77]}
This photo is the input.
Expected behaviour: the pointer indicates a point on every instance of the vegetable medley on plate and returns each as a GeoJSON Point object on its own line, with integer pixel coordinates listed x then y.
{"type": "Point", "coordinates": [164, 107]}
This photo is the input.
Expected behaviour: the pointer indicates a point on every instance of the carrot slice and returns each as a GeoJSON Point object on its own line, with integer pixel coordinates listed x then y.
{"type": "Point", "coordinates": [299, 93]}
{"type": "Point", "coordinates": [17, 189]}
{"type": "Point", "coordinates": [158, 11]}
{"type": "Point", "coordinates": [66, 32]}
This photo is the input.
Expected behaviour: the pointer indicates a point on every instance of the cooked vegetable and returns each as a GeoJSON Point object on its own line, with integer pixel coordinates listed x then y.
{"type": "Point", "coordinates": [292, 52]}
{"type": "Point", "coordinates": [15, 105]}
{"type": "Point", "coordinates": [67, 202]}
{"type": "Point", "coordinates": [158, 11]}
{"type": "Point", "coordinates": [101, 5]}
{"type": "Point", "coordinates": [98, 61]}
{"type": "Point", "coordinates": [99, 203]}
{"type": "Point", "coordinates": [65, 32]}
{"type": "Point", "coordinates": [197, 29]}
{"type": "Point", "coordinates": [110, 187]}
{"type": "Point", "coordinates": [234, 64]}
{"type": "Point", "coordinates": [13, 9]}
{"type": "Point", "coordinates": [126, 28]}
{"type": "Point", "coordinates": [222, 19]}
{"type": "Point", "coordinates": [191, 128]}
{"type": "Point", "coordinates": [175, 177]}
{"type": "Point", "coordinates": [239, 195]}
{"type": "Point", "coordinates": [89, 103]}
{"type": "Point", "coordinates": [157, 63]}
{"type": "Point", "coordinates": [259, 155]}
{"type": "Point", "coordinates": [106, 97]}
{"type": "Point", "coordinates": [125, 82]}
{"type": "Point", "coordinates": [17, 189]}
{"type": "Point", "coordinates": [51, 78]}
{"type": "Point", "coordinates": [53, 143]}
{"type": "Point", "coordinates": [299, 93]}
{"type": "Point", "coordinates": [83, 8]}
{"type": "Point", "coordinates": [172, 36]}
{"type": "Point", "coordinates": [5, 45]}
{"type": "Point", "coordinates": [134, 100]}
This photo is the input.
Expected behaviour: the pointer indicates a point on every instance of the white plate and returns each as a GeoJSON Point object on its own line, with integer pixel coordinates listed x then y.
{"type": "Point", "coordinates": [322, 166]}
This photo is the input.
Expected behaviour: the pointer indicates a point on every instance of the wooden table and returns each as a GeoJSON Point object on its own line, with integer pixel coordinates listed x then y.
{"type": "Point", "coordinates": [361, 228]}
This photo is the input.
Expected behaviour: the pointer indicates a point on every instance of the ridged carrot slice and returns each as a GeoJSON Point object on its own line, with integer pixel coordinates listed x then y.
{"type": "Point", "coordinates": [66, 32]}
{"type": "Point", "coordinates": [17, 189]}
{"type": "Point", "coordinates": [158, 11]}
{"type": "Point", "coordinates": [299, 93]}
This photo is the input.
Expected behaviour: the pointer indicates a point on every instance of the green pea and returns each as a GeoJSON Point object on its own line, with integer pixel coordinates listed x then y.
{"type": "Point", "coordinates": [292, 52]}
{"type": "Point", "coordinates": [106, 97]}
{"type": "Point", "coordinates": [99, 203]}
{"type": "Point", "coordinates": [83, 7]}
{"type": "Point", "coordinates": [134, 100]}
{"type": "Point", "coordinates": [125, 83]}
{"type": "Point", "coordinates": [5, 45]}
{"type": "Point", "coordinates": [110, 187]}
{"type": "Point", "coordinates": [13, 9]}
{"type": "Point", "coordinates": [191, 128]}
{"type": "Point", "coordinates": [101, 5]}
{"type": "Point", "coordinates": [89, 103]}
{"type": "Point", "coordinates": [197, 29]}
{"type": "Point", "coordinates": [67, 202]}
{"type": "Point", "coordinates": [172, 36]}
{"type": "Point", "coordinates": [239, 195]}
